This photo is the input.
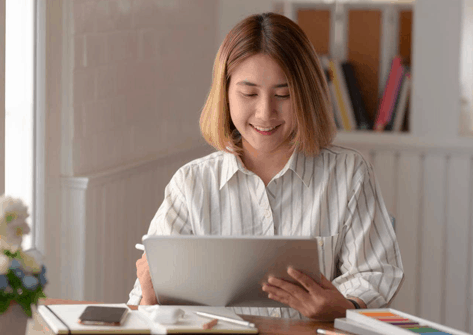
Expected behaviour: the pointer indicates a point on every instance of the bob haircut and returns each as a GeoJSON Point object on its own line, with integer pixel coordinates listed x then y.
{"type": "Point", "coordinates": [283, 40]}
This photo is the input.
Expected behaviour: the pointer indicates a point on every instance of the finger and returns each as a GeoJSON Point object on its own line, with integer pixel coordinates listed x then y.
{"type": "Point", "coordinates": [277, 294]}
{"type": "Point", "coordinates": [290, 288]}
{"type": "Point", "coordinates": [309, 284]}
{"type": "Point", "coordinates": [274, 293]}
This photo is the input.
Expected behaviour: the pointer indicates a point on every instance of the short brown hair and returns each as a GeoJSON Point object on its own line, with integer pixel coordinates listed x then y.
{"type": "Point", "coordinates": [283, 40]}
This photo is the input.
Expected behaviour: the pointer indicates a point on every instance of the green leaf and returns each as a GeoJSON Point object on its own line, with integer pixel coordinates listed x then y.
{"type": "Point", "coordinates": [12, 255]}
{"type": "Point", "coordinates": [4, 304]}
{"type": "Point", "coordinates": [26, 305]}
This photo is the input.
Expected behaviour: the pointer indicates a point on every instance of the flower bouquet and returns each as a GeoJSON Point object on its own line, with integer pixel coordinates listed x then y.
{"type": "Point", "coordinates": [22, 277]}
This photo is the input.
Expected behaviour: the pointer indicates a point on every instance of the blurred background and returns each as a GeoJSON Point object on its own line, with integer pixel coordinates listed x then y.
{"type": "Point", "coordinates": [102, 102]}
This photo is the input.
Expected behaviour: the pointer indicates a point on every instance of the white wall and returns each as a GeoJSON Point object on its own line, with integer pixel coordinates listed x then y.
{"type": "Point", "coordinates": [138, 73]}
{"type": "Point", "coordinates": [231, 12]}
{"type": "Point", "coordinates": [435, 104]}
{"type": "Point", "coordinates": [126, 81]}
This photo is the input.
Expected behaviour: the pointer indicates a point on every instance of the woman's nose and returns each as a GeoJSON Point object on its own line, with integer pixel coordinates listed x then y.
{"type": "Point", "coordinates": [265, 109]}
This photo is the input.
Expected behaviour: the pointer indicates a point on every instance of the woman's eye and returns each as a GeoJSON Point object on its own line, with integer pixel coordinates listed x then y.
{"type": "Point", "coordinates": [249, 95]}
{"type": "Point", "coordinates": [283, 96]}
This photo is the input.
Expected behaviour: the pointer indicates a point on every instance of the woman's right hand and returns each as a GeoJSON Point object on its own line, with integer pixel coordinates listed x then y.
{"type": "Point", "coordinates": [147, 290]}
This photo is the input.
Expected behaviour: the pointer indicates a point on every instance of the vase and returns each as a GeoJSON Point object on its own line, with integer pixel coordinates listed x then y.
{"type": "Point", "coordinates": [13, 321]}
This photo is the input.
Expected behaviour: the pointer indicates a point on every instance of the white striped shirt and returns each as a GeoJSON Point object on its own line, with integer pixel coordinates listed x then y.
{"type": "Point", "coordinates": [333, 197]}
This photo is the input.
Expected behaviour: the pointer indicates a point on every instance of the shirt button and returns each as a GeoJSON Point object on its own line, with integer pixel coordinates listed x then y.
{"type": "Point", "coordinates": [267, 213]}
{"type": "Point", "coordinates": [275, 313]}
{"type": "Point", "coordinates": [321, 243]}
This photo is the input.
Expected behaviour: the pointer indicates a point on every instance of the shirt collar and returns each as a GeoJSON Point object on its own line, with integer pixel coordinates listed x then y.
{"type": "Point", "coordinates": [304, 167]}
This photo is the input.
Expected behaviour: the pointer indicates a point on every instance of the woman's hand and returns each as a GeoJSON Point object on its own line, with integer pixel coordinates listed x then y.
{"type": "Point", "coordinates": [322, 302]}
{"type": "Point", "coordinates": [147, 290]}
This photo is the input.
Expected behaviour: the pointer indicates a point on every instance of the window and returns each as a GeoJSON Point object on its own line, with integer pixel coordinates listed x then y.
{"type": "Point", "coordinates": [19, 105]}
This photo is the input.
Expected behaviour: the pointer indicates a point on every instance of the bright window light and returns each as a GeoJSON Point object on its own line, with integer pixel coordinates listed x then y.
{"type": "Point", "coordinates": [19, 103]}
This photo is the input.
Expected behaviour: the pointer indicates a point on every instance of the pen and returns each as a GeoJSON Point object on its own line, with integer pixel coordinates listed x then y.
{"type": "Point", "coordinates": [329, 332]}
{"type": "Point", "coordinates": [210, 325]}
{"type": "Point", "coordinates": [139, 246]}
{"type": "Point", "coordinates": [224, 318]}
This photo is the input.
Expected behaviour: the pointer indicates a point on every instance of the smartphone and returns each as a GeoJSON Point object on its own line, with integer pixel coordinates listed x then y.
{"type": "Point", "coordinates": [103, 316]}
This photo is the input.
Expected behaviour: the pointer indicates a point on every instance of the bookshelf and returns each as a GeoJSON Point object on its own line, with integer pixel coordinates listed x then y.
{"type": "Point", "coordinates": [366, 34]}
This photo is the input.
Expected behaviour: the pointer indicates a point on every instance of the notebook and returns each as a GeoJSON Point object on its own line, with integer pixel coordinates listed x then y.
{"type": "Point", "coordinates": [60, 318]}
{"type": "Point", "coordinates": [354, 327]}
{"type": "Point", "coordinates": [388, 321]}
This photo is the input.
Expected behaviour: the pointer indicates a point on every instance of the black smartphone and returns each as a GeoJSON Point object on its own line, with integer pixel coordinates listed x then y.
{"type": "Point", "coordinates": [103, 316]}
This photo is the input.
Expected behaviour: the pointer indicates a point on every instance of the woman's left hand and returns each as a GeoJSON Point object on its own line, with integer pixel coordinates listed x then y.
{"type": "Point", "coordinates": [322, 302]}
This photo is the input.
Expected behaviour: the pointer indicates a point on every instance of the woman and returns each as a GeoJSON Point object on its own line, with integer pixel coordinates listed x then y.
{"type": "Point", "coordinates": [269, 116]}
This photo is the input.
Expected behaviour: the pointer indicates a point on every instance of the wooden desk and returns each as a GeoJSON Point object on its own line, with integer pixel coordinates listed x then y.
{"type": "Point", "coordinates": [266, 325]}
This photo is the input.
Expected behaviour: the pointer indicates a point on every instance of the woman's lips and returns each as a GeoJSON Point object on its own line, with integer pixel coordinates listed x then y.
{"type": "Point", "coordinates": [266, 132]}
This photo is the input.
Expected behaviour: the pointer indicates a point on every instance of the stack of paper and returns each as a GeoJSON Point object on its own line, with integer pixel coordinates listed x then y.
{"type": "Point", "coordinates": [387, 321]}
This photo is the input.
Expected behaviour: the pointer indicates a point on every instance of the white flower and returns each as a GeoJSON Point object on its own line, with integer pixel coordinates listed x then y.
{"type": "Point", "coordinates": [30, 261]}
{"type": "Point", "coordinates": [12, 205]}
{"type": "Point", "coordinates": [13, 214]}
{"type": "Point", "coordinates": [4, 264]}
{"type": "Point", "coordinates": [15, 231]}
{"type": "Point", "coordinates": [4, 245]}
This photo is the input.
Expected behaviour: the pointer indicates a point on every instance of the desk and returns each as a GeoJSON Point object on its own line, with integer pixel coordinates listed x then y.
{"type": "Point", "coordinates": [266, 325]}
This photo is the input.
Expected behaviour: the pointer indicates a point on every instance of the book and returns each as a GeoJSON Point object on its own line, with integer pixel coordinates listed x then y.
{"type": "Point", "coordinates": [60, 318]}
{"type": "Point", "coordinates": [403, 103]}
{"type": "Point", "coordinates": [395, 97]}
{"type": "Point", "coordinates": [354, 327]}
{"type": "Point", "coordinates": [335, 108]}
{"type": "Point", "coordinates": [390, 123]}
{"type": "Point", "coordinates": [388, 98]}
{"type": "Point", "coordinates": [388, 321]}
{"type": "Point", "coordinates": [324, 60]}
{"type": "Point", "coordinates": [343, 100]}
{"type": "Point", "coordinates": [363, 120]}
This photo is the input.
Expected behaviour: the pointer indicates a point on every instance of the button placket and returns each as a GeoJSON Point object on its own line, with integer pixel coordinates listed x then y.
{"type": "Point", "coordinates": [267, 215]}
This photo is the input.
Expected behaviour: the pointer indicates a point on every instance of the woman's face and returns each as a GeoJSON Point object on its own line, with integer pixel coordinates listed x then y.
{"type": "Point", "coordinates": [260, 105]}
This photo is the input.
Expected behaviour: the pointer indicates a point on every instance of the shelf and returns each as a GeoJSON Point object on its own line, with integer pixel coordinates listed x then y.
{"type": "Point", "coordinates": [396, 141]}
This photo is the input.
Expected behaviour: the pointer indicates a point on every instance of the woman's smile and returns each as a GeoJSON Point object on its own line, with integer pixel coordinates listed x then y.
{"type": "Point", "coordinates": [261, 106]}
{"type": "Point", "coordinates": [265, 130]}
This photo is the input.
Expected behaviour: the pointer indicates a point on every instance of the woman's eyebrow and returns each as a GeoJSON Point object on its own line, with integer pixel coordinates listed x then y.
{"type": "Point", "coordinates": [247, 83]}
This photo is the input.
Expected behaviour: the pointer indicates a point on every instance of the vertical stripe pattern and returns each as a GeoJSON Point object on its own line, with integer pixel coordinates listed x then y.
{"type": "Point", "coordinates": [333, 198]}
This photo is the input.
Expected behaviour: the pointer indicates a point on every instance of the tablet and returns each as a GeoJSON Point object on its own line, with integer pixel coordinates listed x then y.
{"type": "Point", "coordinates": [225, 270]}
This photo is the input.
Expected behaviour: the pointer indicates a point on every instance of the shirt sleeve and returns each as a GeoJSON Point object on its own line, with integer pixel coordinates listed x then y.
{"type": "Point", "coordinates": [370, 260]}
{"type": "Point", "coordinates": [170, 219]}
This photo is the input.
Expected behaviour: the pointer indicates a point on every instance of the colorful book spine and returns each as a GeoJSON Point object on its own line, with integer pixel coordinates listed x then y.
{"type": "Point", "coordinates": [335, 107]}
{"type": "Point", "coordinates": [343, 100]}
{"type": "Point", "coordinates": [325, 61]}
{"type": "Point", "coordinates": [403, 103]}
{"type": "Point", "coordinates": [389, 125]}
{"type": "Point", "coordinates": [363, 120]}
{"type": "Point", "coordinates": [389, 91]}
{"type": "Point", "coordinates": [398, 83]}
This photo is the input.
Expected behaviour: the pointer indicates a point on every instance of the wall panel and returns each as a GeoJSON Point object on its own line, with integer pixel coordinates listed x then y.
{"type": "Point", "coordinates": [105, 215]}
{"type": "Point", "coordinates": [456, 239]}
{"type": "Point", "coordinates": [409, 174]}
{"type": "Point", "coordinates": [384, 165]}
{"type": "Point", "coordinates": [433, 210]}
{"type": "Point", "coordinates": [432, 238]}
